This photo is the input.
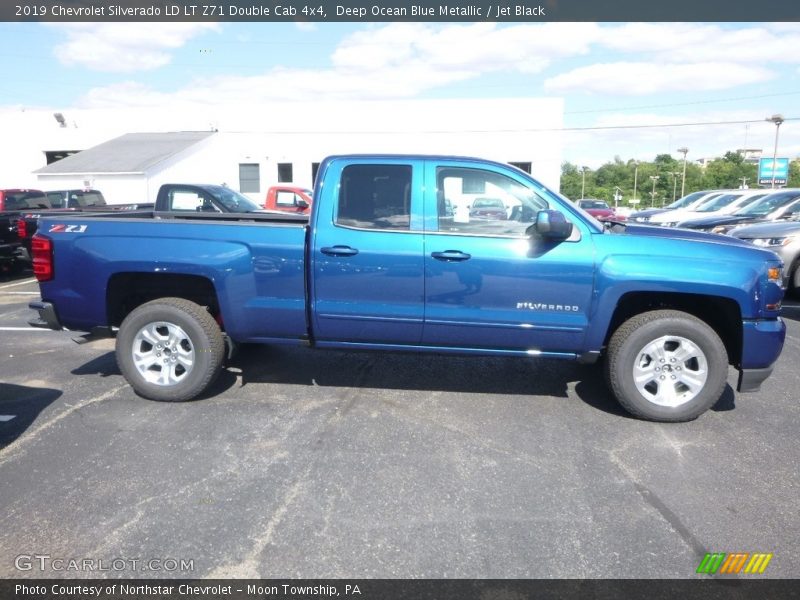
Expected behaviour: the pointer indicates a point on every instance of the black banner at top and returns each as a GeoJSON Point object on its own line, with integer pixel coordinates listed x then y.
{"type": "Point", "coordinates": [398, 10]}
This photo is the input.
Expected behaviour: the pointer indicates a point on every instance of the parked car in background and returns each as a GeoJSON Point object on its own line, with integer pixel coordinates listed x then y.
{"type": "Point", "coordinates": [724, 204]}
{"type": "Point", "coordinates": [599, 209]}
{"type": "Point", "coordinates": [12, 203]}
{"type": "Point", "coordinates": [288, 198]}
{"type": "Point", "coordinates": [202, 198]}
{"type": "Point", "coordinates": [776, 205]}
{"type": "Point", "coordinates": [22, 199]}
{"type": "Point", "coordinates": [75, 200]}
{"type": "Point", "coordinates": [488, 208]}
{"type": "Point", "coordinates": [783, 238]}
{"type": "Point", "coordinates": [689, 200]}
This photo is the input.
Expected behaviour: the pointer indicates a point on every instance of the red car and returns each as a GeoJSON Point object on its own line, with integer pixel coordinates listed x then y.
{"type": "Point", "coordinates": [488, 208]}
{"type": "Point", "coordinates": [599, 209]}
{"type": "Point", "coordinates": [289, 198]}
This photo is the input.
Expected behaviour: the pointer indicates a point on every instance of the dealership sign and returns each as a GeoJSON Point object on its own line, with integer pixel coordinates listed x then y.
{"type": "Point", "coordinates": [769, 169]}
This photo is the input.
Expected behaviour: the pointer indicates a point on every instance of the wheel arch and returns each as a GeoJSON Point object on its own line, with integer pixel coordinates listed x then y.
{"type": "Point", "coordinates": [127, 291]}
{"type": "Point", "coordinates": [722, 314]}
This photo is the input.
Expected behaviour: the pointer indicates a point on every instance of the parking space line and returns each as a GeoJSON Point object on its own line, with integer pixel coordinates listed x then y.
{"type": "Point", "coordinates": [24, 329]}
{"type": "Point", "coordinates": [20, 293]}
{"type": "Point", "coordinates": [7, 418]}
{"type": "Point", "coordinates": [25, 282]}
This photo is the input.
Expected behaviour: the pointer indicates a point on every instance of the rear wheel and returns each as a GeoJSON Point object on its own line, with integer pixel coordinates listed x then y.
{"type": "Point", "coordinates": [170, 349]}
{"type": "Point", "coordinates": [666, 365]}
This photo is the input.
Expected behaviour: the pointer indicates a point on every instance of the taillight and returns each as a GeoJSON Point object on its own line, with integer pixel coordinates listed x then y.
{"type": "Point", "coordinates": [42, 254]}
{"type": "Point", "coordinates": [22, 229]}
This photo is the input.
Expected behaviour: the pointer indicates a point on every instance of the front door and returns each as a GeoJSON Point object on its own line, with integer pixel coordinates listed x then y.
{"type": "Point", "coordinates": [490, 283]}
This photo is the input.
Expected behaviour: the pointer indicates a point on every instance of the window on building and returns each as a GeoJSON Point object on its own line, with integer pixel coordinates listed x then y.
{"type": "Point", "coordinates": [285, 173]}
{"type": "Point", "coordinates": [314, 171]}
{"type": "Point", "coordinates": [523, 166]}
{"type": "Point", "coordinates": [55, 155]}
{"type": "Point", "coordinates": [249, 178]}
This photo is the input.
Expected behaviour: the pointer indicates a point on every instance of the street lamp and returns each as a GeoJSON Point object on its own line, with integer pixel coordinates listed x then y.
{"type": "Point", "coordinates": [653, 178]}
{"type": "Point", "coordinates": [674, 184]}
{"type": "Point", "coordinates": [583, 180]}
{"type": "Point", "coordinates": [635, 177]}
{"type": "Point", "coordinates": [683, 151]}
{"type": "Point", "coordinates": [777, 119]}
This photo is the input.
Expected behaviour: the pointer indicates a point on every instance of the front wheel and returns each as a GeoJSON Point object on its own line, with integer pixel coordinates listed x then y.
{"type": "Point", "coordinates": [170, 349]}
{"type": "Point", "coordinates": [666, 365]}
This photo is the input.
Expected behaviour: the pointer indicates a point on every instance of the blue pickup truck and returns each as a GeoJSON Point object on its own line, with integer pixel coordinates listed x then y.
{"type": "Point", "coordinates": [390, 258]}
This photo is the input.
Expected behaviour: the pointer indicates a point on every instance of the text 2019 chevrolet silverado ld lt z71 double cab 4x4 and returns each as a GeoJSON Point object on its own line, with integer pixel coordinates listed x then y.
{"type": "Point", "coordinates": [382, 264]}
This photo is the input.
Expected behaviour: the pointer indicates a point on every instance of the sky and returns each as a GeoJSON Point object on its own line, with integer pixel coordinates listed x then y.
{"type": "Point", "coordinates": [632, 90]}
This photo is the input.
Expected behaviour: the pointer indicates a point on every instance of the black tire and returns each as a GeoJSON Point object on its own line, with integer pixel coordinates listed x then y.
{"type": "Point", "coordinates": [681, 362]}
{"type": "Point", "coordinates": [185, 356]}
{"type": "Point", "coordinates": [793, 284]}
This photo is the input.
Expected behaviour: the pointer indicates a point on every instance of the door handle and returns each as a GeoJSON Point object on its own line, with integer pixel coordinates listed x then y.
{"type": "Point", "coordinates": [339, 251]}
{"type": "Point", "coordinates": [451, 256]}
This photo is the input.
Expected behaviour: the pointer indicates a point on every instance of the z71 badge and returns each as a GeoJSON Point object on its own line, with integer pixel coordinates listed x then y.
{"type": "Point", "coordinates": [67, 228]}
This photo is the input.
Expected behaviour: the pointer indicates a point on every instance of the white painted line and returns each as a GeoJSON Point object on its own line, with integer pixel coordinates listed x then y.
{"type": "Point", "coordinates": [23, 329]}
{"type": "Point", "coordinates": [7, 418]}
{"type": "Point", "coordinates": [25, 282]}
{"type": "Point", "coordinates": [20, 293]}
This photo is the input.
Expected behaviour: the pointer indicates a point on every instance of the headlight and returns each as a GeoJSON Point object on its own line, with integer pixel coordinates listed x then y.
{"type": "Point", "coordinates": [773, 242]}
{"type": "Point", "coordinates": [775, 275]}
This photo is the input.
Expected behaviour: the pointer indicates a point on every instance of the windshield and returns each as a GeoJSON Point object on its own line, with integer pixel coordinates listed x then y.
{"type": "Point", "coordinates": [718, 202]}
{"type": "Point", "coordinates": [235, 202]}
{"type": "Point", "coordinates": [687, 199]}
{"type": "Point", "coordinates": [767, 204]}
{"type": "Point", "coordinates": [593, 204]}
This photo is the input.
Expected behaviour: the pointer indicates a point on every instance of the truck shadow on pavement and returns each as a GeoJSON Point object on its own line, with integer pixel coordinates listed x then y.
{"type": "Point", "coordinates": [435, 373]}
{"type": "Point", "coordinates": [20, 405]}
{"type": "Point", "coordinates": [287, 365]}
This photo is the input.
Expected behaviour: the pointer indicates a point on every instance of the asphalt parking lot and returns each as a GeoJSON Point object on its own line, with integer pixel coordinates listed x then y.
{"type": "Point", "coordinates": [319, 464]}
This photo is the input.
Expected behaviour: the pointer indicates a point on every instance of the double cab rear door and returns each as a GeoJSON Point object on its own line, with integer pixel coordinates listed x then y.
{"type": "Point", "coordinates": [439, 252]}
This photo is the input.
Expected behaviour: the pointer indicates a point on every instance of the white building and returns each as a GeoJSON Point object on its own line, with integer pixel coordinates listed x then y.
{"type": "Point", "coordinates": [252, 147]}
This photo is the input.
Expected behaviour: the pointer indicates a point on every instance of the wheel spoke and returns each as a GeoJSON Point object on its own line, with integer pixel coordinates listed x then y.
{"type": "Point", "coordinates": [163, 353]}
{"type": "Point", "coordinates": [670, 371]}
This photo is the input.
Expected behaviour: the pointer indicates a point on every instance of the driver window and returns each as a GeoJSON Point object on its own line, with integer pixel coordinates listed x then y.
{"type": "Point", "coordinates": [477, 202]}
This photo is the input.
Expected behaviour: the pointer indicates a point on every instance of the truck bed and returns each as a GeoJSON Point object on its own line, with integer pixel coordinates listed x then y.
{"type": "Point", "coordinates": [256, 261]}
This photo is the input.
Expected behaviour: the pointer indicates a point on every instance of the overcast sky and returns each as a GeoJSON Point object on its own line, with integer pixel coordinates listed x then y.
{"type": "Point", "coordinates": [613, 78]}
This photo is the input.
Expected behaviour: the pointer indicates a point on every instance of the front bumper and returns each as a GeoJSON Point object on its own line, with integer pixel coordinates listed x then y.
{"type": "Point", "coordinates": [762, 342]}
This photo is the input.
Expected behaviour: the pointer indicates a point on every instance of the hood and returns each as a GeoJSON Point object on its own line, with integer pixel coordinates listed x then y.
{"type": "Point", "coordinates": [714, 221]}
{"type": "Point", "coordinates": [648, 213]}
{"type": "Point", "coordinates": [683, 234]}
{"type": "Point", "coordinates": [768, 229]}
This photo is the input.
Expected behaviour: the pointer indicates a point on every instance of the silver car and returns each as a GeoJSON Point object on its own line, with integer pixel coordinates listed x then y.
{"type": "Point", "coordinates": [783, 238]}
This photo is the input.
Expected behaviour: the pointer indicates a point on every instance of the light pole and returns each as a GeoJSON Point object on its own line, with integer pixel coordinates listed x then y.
{"type": "Point", "coordinates": [683, 151]}
{"type": "Point", "coordinates": [635, 177]}
{"type": "Point", "coordinates": [777, 119]}
{"type": "Point", "coordinates": [617, 196]}
{"type": "Point", "coordinates": [583, 180]}
{"type": "Point", "coordinates": [674, 184]}
{"type": "Point", "coordinates": [653, 178]}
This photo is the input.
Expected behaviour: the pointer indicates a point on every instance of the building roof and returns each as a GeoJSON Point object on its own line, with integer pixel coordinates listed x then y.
{"type": "Point", "coordinates": [129, 153]}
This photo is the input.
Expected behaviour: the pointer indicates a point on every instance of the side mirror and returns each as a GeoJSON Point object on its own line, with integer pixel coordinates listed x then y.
{"type": "Point", "coordinates": [300, 203]}
{"type": "Point", "coordinates": [552, 224]}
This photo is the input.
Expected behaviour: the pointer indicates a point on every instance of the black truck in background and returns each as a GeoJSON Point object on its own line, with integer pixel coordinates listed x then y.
{"type": "Point", "coordinates": [13, 203]}
{"type": "Point", "coordinates": [66, 201]}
